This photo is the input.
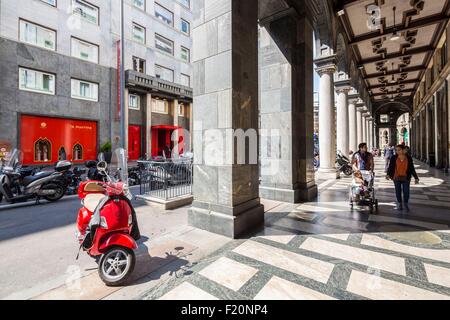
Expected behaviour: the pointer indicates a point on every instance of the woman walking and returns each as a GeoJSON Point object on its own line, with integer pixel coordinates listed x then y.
{"type": "Point", "coordinates": [401, 170]}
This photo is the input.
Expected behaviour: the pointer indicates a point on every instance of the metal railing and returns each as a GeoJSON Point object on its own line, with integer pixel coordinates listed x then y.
{"type": "Point", "coordinates": [165, 180]}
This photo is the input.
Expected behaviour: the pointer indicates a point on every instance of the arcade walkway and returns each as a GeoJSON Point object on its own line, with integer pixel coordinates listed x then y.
{"type": "Point", "coordinates": [322, 250]}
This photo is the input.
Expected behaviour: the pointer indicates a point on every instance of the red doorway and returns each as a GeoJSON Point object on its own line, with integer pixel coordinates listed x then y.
{"type": "Point", "coordinates": [162, 138]}
{"type": "Point", "coordinates": [134, 142]}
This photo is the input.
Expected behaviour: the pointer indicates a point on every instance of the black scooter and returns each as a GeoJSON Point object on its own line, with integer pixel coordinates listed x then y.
{"type": "Point", "coordinates": [343, 163]}
{"type": "Point", "coordinates": [16, 188]}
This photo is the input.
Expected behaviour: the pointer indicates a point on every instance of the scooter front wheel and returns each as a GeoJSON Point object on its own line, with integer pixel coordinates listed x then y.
{"type": "Point", "coordinates": [116, 265]}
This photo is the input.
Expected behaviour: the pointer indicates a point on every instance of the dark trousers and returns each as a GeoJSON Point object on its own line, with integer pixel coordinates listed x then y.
{"type": "Point", "coordinates": [402, 188]}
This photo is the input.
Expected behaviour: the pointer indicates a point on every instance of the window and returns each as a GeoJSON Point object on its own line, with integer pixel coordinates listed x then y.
{"type": "Point", "coordinates": [31, 80]}
{"type": "Point", "coordinates": [77, 152]}
{"type": "Point", "coordinates": [139, 4]}
{"type": "Point", "coordinates": [138, 33]}
{"type": "Point", "coordinates": [139, 65]}
{"type": "Point", "coordinates": [133, 102]}
{"type": "Point", "coordinates": [185, 80]}
{"type": "Point", "coordinates": [186, 3]}
{"type": "Point", "coordinates": [85, 10]}
{"type": "Point", "coordinates": [163, 14]}
{"type": "Point", "coordinates": [37, 35]}
{"type": "Point", "coordinates": [50, 2]}
{"type": "Point", "coordinates": [185, 27]}
{"type": "Point", "coordinates": [42, 151]}
{"type": "Point", "coordinates": [384, 118]}
{"type": "Point", "coordinates": [185, 54]}
{"type": "Point", "coordinates": [84, 50]}
{"type": "Point", "coordinates": [163, 44]}
{"type": "Point", "coordinates": [160, 106]}
{"type": "Point", "coordinates": [84, 90]}
{"type": "Point", "coordinates": [181, 110]}
{"type": "Point", "coordinates": [164, 73]}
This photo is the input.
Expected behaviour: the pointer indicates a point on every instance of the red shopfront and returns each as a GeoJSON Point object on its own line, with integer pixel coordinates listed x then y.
{"type": "Point", "coordinates": [46, 140]}
{"type": "Point", "coordinates": [162, 139]}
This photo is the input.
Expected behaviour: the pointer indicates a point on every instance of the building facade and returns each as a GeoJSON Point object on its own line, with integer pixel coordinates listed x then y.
{"type": "Point", "coordinates": [59, 79]}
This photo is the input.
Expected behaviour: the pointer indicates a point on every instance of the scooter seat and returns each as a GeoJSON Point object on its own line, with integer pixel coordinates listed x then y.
{"type": "Point", "coordinates": [92, 200]}
{"type": "Point", "coordinates": [30, 179]}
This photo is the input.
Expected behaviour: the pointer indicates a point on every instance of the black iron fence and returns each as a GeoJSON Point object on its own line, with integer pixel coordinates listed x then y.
{"type": "Point", "coordinates": [165, 180]}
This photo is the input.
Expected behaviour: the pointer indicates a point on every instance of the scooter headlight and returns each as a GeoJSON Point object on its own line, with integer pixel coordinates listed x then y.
{"type": "Point", "coordinates": [130, 220]}
{"type": "Point", "coordinates": [103, 223]}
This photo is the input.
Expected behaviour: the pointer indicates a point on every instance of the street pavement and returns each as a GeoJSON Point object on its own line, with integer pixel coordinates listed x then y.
{"type": "Point", "coordinates": [38, 245]}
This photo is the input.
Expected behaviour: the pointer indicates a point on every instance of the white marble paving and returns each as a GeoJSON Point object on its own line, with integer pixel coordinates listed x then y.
{"type": "Point", "coordinates": [433, 254]}
{"type": "Point", "coordinates": [438, 275]}
{"type": "Point", "coordinates": [280, 289]}
{"type": "Point", "coordinates": [286, 260]}
{"type": "Point", "coordinates": [377, 288]}
{"type": "Point", "coordinates": [357, 255]}
{"type": "Point", "coordinates": [187, 291]}
{"type": "Point", "coordinates": [229, 273]}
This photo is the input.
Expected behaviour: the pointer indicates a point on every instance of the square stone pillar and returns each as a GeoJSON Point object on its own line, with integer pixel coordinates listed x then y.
{"type": "Point", "coordinates": [286, 108]}
{"type": "Point", "coordinates": [148, 125]}
{"type": "Point", "coordinates": [226, 171]}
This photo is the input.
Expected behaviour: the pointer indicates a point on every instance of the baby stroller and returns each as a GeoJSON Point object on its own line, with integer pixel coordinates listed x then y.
{"type": "Point", "coordinates": [362, 190]}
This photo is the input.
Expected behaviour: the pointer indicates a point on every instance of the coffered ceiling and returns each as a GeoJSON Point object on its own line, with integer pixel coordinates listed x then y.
{"type": "Point", "coordinates": [392, 56]}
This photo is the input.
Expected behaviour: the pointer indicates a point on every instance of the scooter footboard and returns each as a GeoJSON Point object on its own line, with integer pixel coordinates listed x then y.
{"type": "Point", "coordinates": [117, 239]}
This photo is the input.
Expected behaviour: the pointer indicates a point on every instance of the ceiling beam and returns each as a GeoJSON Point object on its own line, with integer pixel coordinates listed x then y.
{"type": "Point", "coordinates": [390, 73]}
{"type": "Point", "coordinates": [377, 86]}
{"type": "Point", "coordinates": [420, 23]}
{"type": "Point", "coordinates": [392, 93]}
{"type": "Point", "coordinates": [411, 52]}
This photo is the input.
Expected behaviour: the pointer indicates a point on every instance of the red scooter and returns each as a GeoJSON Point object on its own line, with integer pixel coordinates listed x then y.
{"type": "Point", "coordinates": [107, 224]}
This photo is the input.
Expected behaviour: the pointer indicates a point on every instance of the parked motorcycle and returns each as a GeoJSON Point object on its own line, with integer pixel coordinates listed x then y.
{"type": "Point", "coordinates": [134, 176]}
{"type": "Point", "coordinates": [70, 178]}
{"type": "Point", "coordinates": [344, 164]}
{"type": "Point", "coordinates": [16, 188]}
{"type": "Point", "coordinates": [107, 224]}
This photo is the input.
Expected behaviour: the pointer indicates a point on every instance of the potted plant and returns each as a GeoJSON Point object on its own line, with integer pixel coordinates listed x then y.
{"type": "Point", "coordinates": [106, 149]}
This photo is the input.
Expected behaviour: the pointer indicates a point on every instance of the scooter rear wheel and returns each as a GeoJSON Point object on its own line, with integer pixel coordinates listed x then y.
{"type": "Point", "coordinates": [116, 265]}
{"type": "Point", "coordinates": [348, 171]}
{"type": "Point", "coordinates": [59, 192]}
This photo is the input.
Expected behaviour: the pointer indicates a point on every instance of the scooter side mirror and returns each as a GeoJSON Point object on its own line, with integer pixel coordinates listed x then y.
{"type": "Point", "coordinates": [101, 166]}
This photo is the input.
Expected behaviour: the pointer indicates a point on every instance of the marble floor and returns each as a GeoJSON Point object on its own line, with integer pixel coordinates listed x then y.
{"type": "Point", "coordinates": [323, 250]}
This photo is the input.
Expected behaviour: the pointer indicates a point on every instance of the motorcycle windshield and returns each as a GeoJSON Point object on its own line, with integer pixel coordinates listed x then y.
{"type": "Point", "coordinates": [14, 159]}
{"type": "Point", "coordinates": [101, 157]}
{"type": "Point", "coordinates": [119, 165]}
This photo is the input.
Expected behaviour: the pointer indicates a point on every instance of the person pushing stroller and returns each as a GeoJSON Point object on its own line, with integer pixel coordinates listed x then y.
{"type": "Point", "coordinates": [362, 189]}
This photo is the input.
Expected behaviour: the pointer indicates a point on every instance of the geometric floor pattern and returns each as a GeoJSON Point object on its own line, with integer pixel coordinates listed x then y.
{"type": "Point", "coordinates": [324, 250]}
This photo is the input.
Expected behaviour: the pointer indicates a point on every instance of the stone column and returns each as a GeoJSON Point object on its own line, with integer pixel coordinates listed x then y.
{"type": "Point", "coordinates": [327, 129]}
{"type": "Point", "coordinates": [226, 184]}
{"type": "Point", "coordinates": [352, 119]}
{"type": "Point", "coordinates": [370, 130]}
{"type": "Point", "coordinates": [286, 110]}
{"type": "Point", "coordinates": [148, 125]}
{"type": "Point", "coordinates": [437, 131]}
{"type": "Point", "coordinates": [364, 128]}
{"type": "Point", "coordinates": [359, 126]}
{"type": "Point", "coordinates": [342, 121]}
{"type": "Point", "coordinates": [175, 136]}
{"type": "Point", "coordinates": [191, 125]}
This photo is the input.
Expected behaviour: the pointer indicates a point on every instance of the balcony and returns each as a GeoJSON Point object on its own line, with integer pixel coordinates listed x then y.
{"type": "Point", "coordinates": [153, 84]}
